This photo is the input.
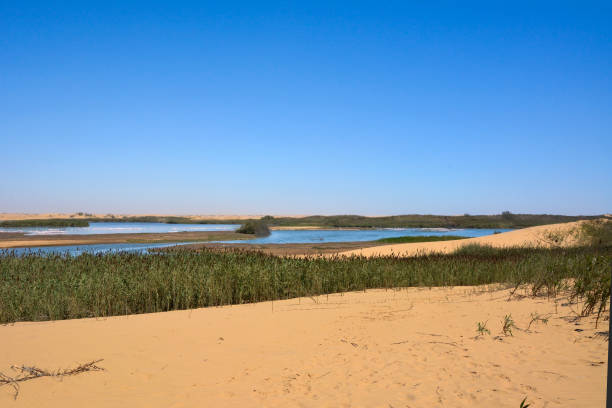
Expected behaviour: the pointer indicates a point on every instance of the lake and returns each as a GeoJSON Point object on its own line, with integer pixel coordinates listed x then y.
{"type": "Point", "coordinates": [121, 228]}
{"type": "Point", "coordinates": [276, 236]}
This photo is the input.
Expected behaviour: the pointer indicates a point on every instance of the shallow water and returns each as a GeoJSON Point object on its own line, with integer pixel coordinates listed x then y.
{"type": "Point", "coordinates": [276, 237]}
{"type": "Point", "coordinates": [314, 236]}
{"type": "Point", "coordinates": [121, 228]}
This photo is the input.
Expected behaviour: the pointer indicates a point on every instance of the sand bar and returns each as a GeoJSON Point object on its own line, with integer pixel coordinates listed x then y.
{"type": "Point", "coordinates": [16, 240]}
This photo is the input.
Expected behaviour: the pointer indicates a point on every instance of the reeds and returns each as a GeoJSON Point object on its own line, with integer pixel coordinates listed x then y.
{"type": "Point", "coordinates": [37, 287]}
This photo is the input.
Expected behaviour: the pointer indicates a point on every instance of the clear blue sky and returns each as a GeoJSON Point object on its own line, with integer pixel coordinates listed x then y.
{"type": "Point", "coordinates": [354, 107]}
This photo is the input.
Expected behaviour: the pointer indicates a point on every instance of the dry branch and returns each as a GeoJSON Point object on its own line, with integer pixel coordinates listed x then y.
{"type": "Point", "coordinates": [26, 373]}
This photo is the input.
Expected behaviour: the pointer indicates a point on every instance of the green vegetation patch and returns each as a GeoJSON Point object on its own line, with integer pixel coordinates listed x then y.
{"type": "Point", "coordinates": [257, 227]}
{"type": "Point", "coordinates": [35, 287]}
{"type": "Point", "coordinates": [53, 222]}
{"type": "Point", "coordinates": [427, 238]}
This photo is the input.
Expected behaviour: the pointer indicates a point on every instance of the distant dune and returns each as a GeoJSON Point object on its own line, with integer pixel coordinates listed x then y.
{"type": "Point", "coordinates": [43, 216]}
{"type": "Point", "coordinates": [532, 236]}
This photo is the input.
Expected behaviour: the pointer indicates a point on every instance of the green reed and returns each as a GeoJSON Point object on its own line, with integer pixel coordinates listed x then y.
{"type": "Point", "coordinates": [36, 287]}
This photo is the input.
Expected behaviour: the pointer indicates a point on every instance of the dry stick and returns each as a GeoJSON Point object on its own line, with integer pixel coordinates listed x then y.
{"type": "Point", "coordinates": [30, 373]}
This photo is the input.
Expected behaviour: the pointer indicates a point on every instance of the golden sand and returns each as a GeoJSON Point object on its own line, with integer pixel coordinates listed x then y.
{"type": "Point", "coordinates": [406, 348]}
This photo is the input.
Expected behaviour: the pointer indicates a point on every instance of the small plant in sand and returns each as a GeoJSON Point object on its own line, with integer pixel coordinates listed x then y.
{"type": "Point", "coordinates": [524, 403]}
{"type": "Point", "coordinates": [482, 329]}
{"type": "Point", "coordinates": [535, 318]}
{"type": "Point", "coordinates": [508, 325]}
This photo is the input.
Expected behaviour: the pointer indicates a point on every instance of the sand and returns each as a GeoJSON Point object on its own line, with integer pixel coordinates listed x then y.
{"type": "Point", "coordinates": [407, 348]}
{"type": "Point", "coordinates": [17, 240]}
{"type": "Point", "coordinates": [533, 236]}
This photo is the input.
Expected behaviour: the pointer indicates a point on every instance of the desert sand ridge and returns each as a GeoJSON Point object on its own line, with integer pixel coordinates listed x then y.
{"type": "Point", "coordinates": [414, 347]}
{"type": "Point", "coordinates": [532, 236]}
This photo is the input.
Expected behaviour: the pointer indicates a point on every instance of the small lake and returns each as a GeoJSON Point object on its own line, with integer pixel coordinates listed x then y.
{"type": "Point", "coordinates": [276, 236]}
{"type": "Point", "coordinates": [318, 236]}
{"type": "Point", "coordinates": [121, 228]}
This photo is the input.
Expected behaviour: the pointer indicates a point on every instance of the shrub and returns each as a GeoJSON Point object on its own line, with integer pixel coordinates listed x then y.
{"type": "Point", "coordinates": [258, 228]}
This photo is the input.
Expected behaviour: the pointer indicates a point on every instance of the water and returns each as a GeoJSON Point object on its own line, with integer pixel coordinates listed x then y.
{"type": "Point", "coordinates": [276, 237]}
{"type": "Point", "coordinates": [121, 228]}
{"type": "Point", "coordinates": [318, 236]}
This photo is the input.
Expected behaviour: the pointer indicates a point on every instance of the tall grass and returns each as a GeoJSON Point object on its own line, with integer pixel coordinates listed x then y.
{"type": "Point", "coordinates": [35, 287]}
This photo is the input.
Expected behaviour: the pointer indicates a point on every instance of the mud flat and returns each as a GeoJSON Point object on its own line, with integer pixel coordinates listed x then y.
{"type": "Point", "coordinates": [15, 240]}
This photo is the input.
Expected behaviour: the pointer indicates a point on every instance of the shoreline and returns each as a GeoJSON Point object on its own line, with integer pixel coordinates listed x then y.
{"type": "Point", "coordinates": [531, 236]}
{"type": "Point", "coordinates": [20, 240]}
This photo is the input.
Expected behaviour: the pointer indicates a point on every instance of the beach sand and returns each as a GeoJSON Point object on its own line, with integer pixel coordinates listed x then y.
{"type": "Point", "coordinates": [414, 347]}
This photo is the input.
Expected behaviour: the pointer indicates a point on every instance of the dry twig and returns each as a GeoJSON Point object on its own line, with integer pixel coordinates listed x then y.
{"type": "Point", "coordinates": [26, 373]}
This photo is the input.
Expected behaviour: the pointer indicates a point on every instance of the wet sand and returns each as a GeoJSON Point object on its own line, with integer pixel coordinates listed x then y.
{"type": "Point", "coordinates": [16, 240]}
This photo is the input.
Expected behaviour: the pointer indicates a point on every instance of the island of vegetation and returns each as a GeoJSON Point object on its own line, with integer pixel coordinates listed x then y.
{"type": "Point", "coordinates": [259, 228]}
{"type": "Point", "coordinates": [51, 222]}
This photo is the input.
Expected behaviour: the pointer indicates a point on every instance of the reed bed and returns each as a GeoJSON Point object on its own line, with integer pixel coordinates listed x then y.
{"type": "Point", "coordinates": [36, 287]}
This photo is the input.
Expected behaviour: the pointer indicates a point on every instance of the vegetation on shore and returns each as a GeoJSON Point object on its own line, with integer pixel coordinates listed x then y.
{"type": "Point", "coordinates": [51, 222]}
{"type": "Point", "coordinates": [37, 287]}
{"type": "Point", "coordinates": [257, 227]}
{"type": "Point", "coordinates": [34, 287]}
{"type": "Point", "coordinates": [425, 238]}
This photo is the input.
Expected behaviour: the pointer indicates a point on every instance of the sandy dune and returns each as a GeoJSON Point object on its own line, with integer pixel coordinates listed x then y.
{"type": "Point", "coordinates": [522, 237]}
{"type": "Point", "coordinates": [407, 348]}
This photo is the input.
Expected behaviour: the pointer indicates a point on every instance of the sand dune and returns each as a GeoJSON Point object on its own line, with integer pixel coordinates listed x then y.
{"type": "Point", "coordinates": [532, 236]}
{"type": "Point", "coordinates": [407, 348]}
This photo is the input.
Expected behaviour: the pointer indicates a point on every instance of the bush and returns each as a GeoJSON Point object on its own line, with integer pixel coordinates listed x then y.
{"type": "Point", "coordinates": [258, 228]}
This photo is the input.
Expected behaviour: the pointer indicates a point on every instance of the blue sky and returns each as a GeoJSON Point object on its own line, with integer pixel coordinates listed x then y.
{"type": "Point", "coordinates": [303, 108]}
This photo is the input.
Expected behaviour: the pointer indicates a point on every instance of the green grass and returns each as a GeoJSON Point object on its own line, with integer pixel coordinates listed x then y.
{"type": "Point", "coordinates": [54, 222]}
{"type": "Point", "coordinates": [35, 287]}
{"type": "Point", "coordinates": [427, 238]}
